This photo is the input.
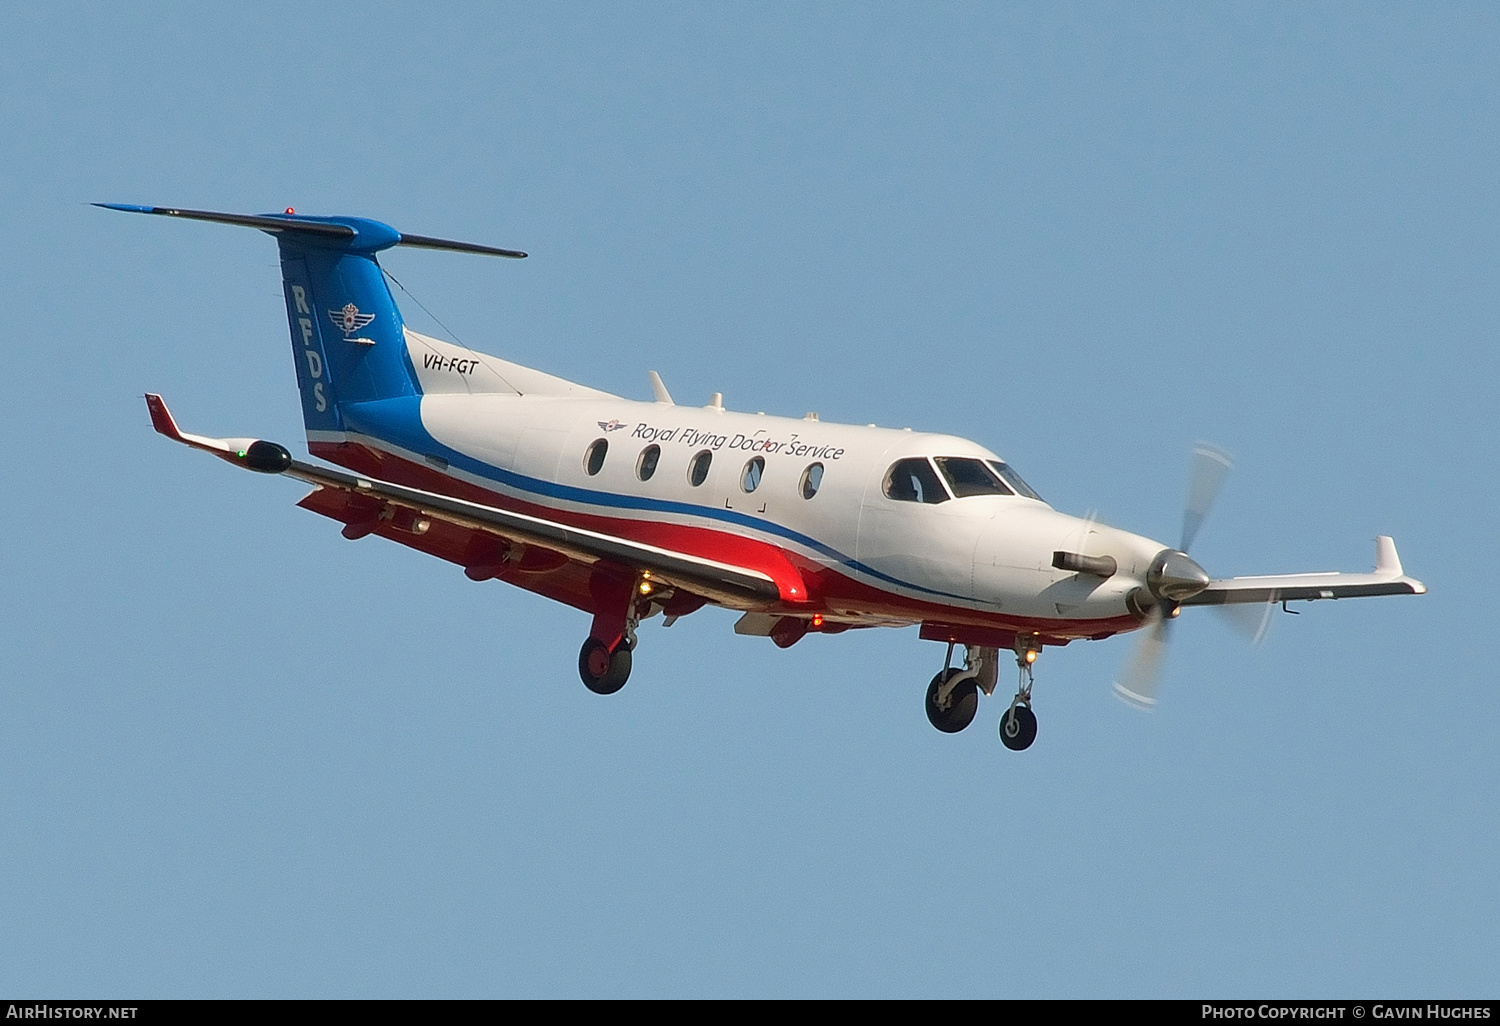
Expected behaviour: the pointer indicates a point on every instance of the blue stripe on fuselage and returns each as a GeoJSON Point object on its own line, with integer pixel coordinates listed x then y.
{"type": "Point", "coordinates": [399, 421]}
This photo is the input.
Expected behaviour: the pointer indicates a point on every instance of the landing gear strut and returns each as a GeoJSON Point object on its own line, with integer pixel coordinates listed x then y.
{"type": "Point", "coordinates": [620, 604]}
{"type": "Point", "coordinates": [953, 695]}
{"type": "Point", "coordinates": [1018, 725]}
{"type": "Point", "coordinates": [952, 700]}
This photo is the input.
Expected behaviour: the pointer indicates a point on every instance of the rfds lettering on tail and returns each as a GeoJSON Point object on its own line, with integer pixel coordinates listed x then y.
{"type": "Point", "coordinates": [628, 511]}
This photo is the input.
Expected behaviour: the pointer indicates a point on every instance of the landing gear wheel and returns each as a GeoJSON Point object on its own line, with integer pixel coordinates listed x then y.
{"type": "Point", "coordinates": [603, 672]}
{"type": "Point", "coordinates": [1018, 728]}
{"type": "Point", "coordinates": [961, 705]}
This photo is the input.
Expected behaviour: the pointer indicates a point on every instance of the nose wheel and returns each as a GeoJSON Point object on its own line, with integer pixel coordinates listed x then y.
{"type": "Point", "coordinates": [1018, 725]}
{"type": "Point", "coordinates": [1018, 728]}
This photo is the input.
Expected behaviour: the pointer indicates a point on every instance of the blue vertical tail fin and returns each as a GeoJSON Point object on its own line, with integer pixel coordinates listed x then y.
{"type": "Point", "coordinates": [348, 340]}
{"type": "Point", "coordinates": [346, 330]}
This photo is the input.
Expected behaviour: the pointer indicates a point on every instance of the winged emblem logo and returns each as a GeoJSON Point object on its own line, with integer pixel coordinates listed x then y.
{"type": "Point", "coordinates": [611, 425]}
{"type": "Point", "coordinates": [349, 319]}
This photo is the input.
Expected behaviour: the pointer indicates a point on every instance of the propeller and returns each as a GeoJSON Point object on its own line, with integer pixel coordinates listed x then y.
{"type": "Point", "coordinates": [1210, 465]}
{"type": "Point", "coordinates": [1251, 621]}
{"type": "Point", "coordinates": [1173, 577]}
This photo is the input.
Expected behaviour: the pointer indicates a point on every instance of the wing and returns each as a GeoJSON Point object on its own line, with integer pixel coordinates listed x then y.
{"type": "Point", "coordinates": [734, 586]}
{"type": "Point", "coordinates": [1388, 579]}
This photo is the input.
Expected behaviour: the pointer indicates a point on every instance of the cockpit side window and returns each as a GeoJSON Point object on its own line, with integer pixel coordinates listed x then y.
{"type": "Point", "coordinates": [913, 480]}
{"type": "Point", "coordinates": [970, 477]}
{"type": "Point", "coordinates": [1013, 479]}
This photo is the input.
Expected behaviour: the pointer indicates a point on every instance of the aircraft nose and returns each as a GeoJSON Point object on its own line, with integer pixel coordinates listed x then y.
{"type": "Point", "coordinates": [1176, 576]}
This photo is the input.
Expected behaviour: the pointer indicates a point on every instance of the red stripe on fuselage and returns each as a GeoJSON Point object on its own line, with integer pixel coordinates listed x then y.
{"type": "Point", "coordinates": [827, 587]}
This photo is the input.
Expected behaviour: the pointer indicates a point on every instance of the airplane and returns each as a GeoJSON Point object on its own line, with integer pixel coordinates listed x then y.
{"type": "Point", "coordinates": [626, 510]}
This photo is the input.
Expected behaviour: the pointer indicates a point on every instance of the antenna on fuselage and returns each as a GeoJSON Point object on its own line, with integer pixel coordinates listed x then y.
{"type": "Point", "coordinates": [659, 389]}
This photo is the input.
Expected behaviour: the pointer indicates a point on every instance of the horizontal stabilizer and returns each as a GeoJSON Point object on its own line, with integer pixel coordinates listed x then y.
{"type": "Point", "coordinates": [372, 235]}
{"type": "Point", "coordinates": [428, 242]}
{"type": "Point", "coordinates": [266, 222]}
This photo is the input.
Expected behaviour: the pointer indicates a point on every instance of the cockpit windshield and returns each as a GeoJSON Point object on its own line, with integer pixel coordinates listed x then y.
{"type": "Point", "coordinates": [912, 480]}
{"type": "Point", "coordinates": [1013, 479]}
{"type": "Point", "coordinates": [971, 477]}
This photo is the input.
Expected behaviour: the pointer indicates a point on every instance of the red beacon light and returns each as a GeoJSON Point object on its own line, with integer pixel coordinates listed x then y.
{"type": "Point", "coordinates": [289, 210]}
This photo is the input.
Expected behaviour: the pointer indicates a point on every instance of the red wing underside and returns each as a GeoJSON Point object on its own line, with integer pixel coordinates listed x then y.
{"type": "Point", "coordinates": [547, 573]}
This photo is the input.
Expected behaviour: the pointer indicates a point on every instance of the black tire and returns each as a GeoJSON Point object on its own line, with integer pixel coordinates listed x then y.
{"type": "Point", "coordinates": [963, 703]}
{"type": "Point", "coordinates": [1018, 734]}
{"type": "Point", "coordinates": [603, 672]}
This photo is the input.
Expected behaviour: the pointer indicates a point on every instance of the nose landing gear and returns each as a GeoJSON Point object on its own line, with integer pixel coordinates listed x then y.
{"type": "Point", "coordinates": [1018, 725]}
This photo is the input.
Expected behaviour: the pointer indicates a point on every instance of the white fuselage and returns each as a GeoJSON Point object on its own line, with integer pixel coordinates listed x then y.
{"type": "Point", "coordinates": [526, 438]}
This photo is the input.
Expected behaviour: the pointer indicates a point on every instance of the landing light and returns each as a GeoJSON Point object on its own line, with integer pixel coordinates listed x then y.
{"type": "Point", "coordinates": [1031, 655]}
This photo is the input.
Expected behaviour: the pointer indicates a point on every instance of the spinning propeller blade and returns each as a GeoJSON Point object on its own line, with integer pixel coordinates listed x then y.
{"type": "Point", "coordinates": [1205, 478]}
{"type": "Point", "coordinates": [1250, 620]}
{"type": "Point", "coordinates": [1141, 674]}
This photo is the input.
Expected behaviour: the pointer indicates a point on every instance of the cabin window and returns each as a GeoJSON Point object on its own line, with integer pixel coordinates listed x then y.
{"type": "Point", "coordinates": [645, 466]}
{"type": "Point", "coordinates": [593, 459]}
{"type": "Point", "coordinates": [971, 477]}
{"type": "Point", "coordinates": [750, 479]}
{"type": "Point", "coordinates": [812, 479]}
{"type": "Point", "coordinates": [914, 480]}
{"type": "Point", "coordinates": [698, 469]}
{"type": "Point", "coordinates": [1013, 479]}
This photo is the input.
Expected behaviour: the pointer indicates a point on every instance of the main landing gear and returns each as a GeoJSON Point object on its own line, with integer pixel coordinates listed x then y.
{"type": "Point", "coordinates": [604, 660]}
{"type": "Point", "coordinates": [621, 602]}
{"type": "Point", "coordinates": [604, 671]}
{"type": "Point", "coordinates": [953, 695]}
{"type": "Point", "coordinates": [952, 700]}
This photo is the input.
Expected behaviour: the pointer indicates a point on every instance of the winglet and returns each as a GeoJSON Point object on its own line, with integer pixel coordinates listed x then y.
{"type": "Point", "coordinates": [231, 449]}
{"type": "Point", "coordinates": [161, 417]}
{"type": "Point", "coordinates": [1387, 562]}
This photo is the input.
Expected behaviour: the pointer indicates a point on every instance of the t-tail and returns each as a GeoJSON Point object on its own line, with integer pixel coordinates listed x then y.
{"type": "Point", "coordinates": [348, 341]}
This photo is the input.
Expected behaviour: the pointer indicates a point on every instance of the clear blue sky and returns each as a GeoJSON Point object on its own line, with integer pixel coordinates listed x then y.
{"type": "Point", "coordinates": [240, 755]}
